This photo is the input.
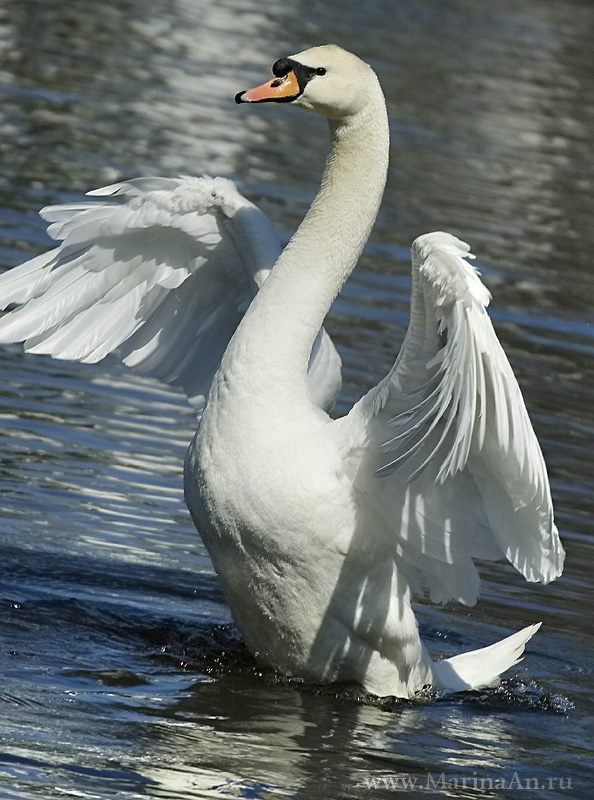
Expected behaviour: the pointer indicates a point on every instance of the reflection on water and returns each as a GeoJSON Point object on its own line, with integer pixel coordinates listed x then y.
{"type": "Point", "coordinates": [120, 674]}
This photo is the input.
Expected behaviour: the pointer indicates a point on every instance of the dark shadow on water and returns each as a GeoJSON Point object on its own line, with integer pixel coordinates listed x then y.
{"type": "Point", "coordinates": [212, 649]}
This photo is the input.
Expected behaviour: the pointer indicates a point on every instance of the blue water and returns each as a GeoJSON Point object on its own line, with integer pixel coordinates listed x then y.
{"type": "Point", "coordinates": [121, 675]}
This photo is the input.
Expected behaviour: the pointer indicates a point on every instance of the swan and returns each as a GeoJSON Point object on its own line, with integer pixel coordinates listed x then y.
{"type": "Point", "coordinates": [321, 530]}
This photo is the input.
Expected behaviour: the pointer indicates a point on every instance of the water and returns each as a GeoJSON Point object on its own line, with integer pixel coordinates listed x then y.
{"type": "Point", "coordinates": [121, 675]}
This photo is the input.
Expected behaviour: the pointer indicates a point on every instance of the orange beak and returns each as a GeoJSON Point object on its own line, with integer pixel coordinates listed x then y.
{"type": "Point", "coordinates": [277, 90]}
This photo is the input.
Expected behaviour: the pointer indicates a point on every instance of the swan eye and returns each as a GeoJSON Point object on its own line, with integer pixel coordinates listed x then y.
{"type": "Point", "coordinates": [321, 71]}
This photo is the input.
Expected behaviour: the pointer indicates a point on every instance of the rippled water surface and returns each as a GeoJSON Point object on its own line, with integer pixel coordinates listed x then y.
{"type": "Point", "coordinates": [121, 675]}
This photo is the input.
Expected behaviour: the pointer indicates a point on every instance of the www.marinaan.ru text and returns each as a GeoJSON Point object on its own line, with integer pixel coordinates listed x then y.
{"type": "Point", "coordinates": [443, 781]}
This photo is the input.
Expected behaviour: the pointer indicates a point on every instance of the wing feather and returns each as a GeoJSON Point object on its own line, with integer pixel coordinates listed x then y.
{"type": "Point", "coordinates": [444, 445]}
{"type": "Point", "coordinates": [162, 274]}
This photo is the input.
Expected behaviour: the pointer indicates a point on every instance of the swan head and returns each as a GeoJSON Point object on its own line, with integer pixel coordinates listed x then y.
{"type": "Point", "coordinates": [327, 80]}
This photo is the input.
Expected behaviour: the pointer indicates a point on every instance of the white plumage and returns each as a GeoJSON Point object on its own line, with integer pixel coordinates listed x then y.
{"type": "Point", "coordinates": [321, 530]}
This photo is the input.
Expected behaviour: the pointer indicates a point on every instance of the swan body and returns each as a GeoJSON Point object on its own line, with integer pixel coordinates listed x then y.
{"type": "Point", "coordinates": [321, 530]}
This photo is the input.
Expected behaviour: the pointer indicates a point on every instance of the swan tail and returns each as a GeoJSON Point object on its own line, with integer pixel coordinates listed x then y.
{"type": "Point", "coordinates": [482, 668]}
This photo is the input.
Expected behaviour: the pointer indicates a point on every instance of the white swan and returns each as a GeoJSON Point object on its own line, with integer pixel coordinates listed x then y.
{"type": "Point", "coordinates": [320, 530]}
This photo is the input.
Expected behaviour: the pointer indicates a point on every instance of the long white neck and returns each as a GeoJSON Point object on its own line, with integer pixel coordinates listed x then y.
{"type": "Point", "coordinates": [277, 333]}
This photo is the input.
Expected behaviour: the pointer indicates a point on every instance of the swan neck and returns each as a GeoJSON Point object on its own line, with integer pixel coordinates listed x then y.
{"type": "Point", "coordinates": [330, 239]}
{"type": "Point", "coordinates": [289, 310]}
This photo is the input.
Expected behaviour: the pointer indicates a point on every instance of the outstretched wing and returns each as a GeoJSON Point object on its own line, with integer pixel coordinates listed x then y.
{"type": "Point", "coordinates": [163, 278]}
{"type": "Point", "coordinates": [442, 453]}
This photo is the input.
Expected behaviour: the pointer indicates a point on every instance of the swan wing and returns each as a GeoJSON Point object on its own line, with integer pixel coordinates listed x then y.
{"type": "Point", "coordinates": [441, 453]}
{"type": "Point", "coordinates": [163, 277]}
